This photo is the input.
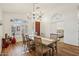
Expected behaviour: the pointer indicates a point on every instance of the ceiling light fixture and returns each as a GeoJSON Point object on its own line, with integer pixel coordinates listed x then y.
{"type": "Point", "coordinates": [37, 14]}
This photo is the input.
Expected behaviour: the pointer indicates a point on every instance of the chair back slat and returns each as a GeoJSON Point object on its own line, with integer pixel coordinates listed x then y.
{"type": "Point", "coordinates": [54, 36]}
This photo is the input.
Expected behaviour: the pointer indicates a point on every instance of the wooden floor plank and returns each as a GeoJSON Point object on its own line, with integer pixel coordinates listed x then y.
{"type": "Point", "coordinates": [20, 50]}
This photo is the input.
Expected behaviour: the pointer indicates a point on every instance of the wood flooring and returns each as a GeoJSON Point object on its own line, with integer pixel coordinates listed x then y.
{"type": "Point", "coordinates": [21, 50]}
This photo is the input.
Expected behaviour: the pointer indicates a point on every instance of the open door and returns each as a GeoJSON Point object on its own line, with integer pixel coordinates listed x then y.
{"type": "Point", "coordinates": [37, 28]}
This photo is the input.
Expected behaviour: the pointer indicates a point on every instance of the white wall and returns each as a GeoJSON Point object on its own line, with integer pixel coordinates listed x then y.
{"type": "Point", "coordinates": [50, 24]}
{"type": "Point", "coordinates": [60, 25]}
{"type": "Point", "coordinates": [7, 24]}
{"type": "Point", "coordinates": [1, 30]}
{"type": "Point", "coordinates": [71, 28]}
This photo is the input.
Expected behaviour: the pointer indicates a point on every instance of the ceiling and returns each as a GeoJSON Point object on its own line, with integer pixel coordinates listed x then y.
{"type": "Point", "coordinates": [16, 7]}
{"type": "Point", "coordinates": [28, 7]}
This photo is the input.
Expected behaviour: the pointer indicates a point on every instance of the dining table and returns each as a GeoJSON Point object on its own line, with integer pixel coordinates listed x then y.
{"type": "Point", "coordinates": [46, 41]}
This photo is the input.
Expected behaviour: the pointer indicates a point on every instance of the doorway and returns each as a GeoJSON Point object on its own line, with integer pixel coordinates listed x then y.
{"type": "Point", "coordinates": [37, 28]}
{"type": "Point", "coordinates": [18, 27]}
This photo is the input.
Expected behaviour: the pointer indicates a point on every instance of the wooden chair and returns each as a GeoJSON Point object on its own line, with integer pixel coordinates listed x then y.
{"type": "Point", "coordinates": [24, 40]}
{"type": "Point", "coordinates": [54, 45]}
{"type": "Point", "coordinates": [40, 49]}
{"type": "Point", "coordinates": [42, 34]}
{"type": "Point", "coordinates": [5, 43]}
{"type": "Point", "coordinates": [27, 37]}
{"type": "Point", "coordinates": [30, 44]}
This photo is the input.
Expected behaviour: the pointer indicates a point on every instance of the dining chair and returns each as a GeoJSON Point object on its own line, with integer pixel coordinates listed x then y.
{"type": "Point", "coordinates": [24, 39]}
{"type": "Point", "coordinates": [30, 45]}
{"type": "Point", "coordinates": [54, 45]}
{"type": "Point", "coordinates": [42, 34]}
{"type": "Point", "coordinates": [40, 49]}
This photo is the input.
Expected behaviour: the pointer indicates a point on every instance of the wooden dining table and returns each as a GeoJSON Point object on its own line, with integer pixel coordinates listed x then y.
{"type": "Point", "coordinates": [46, 41]}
